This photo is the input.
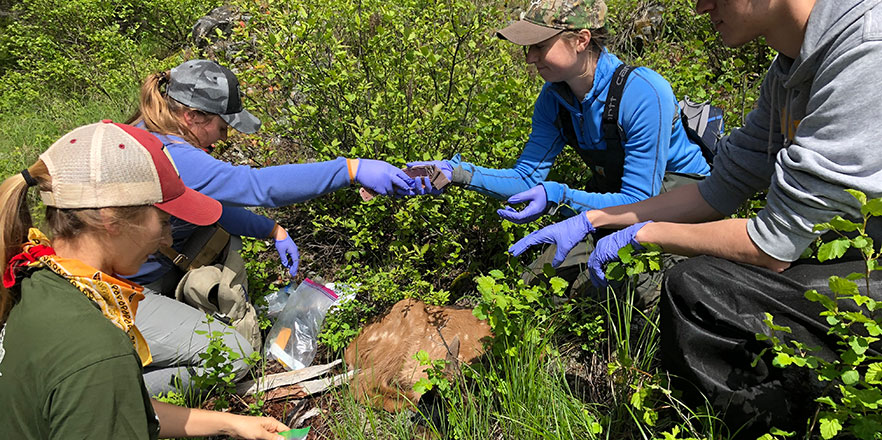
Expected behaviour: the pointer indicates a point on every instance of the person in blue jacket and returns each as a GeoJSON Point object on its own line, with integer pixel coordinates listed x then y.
{"type": "Point", "coordinates": [189, 108]}
{"type": "Point", "coordinates": [565, 39]}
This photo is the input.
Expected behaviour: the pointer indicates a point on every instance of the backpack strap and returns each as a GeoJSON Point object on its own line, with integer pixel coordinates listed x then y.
{"type": "Point", "coordinates": [202, 248]}
{"type": "Point", "coordinates": [607, 166]}
{"type": "Point", "coordinates": [612, 131]}
{"type": "Point", "coordinates": [703, 124]}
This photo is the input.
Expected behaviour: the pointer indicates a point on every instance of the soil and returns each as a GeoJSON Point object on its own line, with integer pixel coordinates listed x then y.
{"type": "Point", "coordinates": [288, 407]}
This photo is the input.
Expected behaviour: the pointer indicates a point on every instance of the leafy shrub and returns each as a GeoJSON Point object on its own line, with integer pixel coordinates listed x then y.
{"type": "Point", "coordinates": [853, 401]}
{"type": "Point", "coordinates": [78, 48]}
{"type": "Point", "coordinates": [399, 81]}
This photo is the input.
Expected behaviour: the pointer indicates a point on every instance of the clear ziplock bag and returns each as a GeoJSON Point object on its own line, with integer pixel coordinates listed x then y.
{"type": "Point", "coordinates": [294, 336]}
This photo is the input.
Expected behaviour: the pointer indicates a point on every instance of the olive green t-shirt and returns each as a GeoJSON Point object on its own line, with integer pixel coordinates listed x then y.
{"type": "Point", "coordinates": [67, 372]}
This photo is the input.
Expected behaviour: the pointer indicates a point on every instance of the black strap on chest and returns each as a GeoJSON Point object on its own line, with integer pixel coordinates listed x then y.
{"type": "Point", "coordinates": [607, 166]}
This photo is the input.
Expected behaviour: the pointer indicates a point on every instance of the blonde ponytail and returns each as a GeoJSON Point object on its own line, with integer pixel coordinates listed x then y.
{"type": "Point", "coordinates": [158, 112]}
{"type": "Point", "coordinates": [15, 220]}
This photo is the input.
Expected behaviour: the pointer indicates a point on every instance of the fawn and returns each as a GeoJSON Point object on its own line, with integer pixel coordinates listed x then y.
{"type": "Point", "coordinates": [384, 350]}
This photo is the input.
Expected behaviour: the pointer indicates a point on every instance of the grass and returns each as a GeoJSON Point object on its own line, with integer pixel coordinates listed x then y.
{"type": "Point", "coordinates": [527, 395]}
{"type": "Point", "coordinates": [30, 131]}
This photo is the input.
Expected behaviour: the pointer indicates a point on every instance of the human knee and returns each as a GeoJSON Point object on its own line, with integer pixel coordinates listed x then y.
{"type": "Point", "coordinates": [690, 275]}
{"type": "Point", "coordinates": [240, 346]}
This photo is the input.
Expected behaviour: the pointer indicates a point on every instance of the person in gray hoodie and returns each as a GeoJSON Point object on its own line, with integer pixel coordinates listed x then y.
{"type": "Point", "coordinates": [814, 134]}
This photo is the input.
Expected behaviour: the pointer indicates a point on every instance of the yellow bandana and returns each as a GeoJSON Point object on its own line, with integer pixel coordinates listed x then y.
{"type": "Point", "coordinates": [117, 299]}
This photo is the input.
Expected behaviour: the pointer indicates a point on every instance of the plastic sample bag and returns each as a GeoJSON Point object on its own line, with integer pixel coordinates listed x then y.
{"type": "Point", "coordinates": [294, 336]}
{"type": "Point", "coordinates": [276, 301]}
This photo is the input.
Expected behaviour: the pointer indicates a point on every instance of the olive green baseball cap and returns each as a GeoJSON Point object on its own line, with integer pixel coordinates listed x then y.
{"type": "Point", "coordinates": [544, 19]}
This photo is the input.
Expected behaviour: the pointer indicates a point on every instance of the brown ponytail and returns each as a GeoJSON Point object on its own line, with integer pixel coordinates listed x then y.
{"type": "Point", "coordinates": [15, 220]}
{"type": "Point", "coordinates": [158, 112]}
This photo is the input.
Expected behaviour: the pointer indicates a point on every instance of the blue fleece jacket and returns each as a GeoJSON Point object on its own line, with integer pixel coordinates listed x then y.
{"type": "Point", "coordinates": [654, 142]}
{"type": "Point", "coordinates": [238, 186]}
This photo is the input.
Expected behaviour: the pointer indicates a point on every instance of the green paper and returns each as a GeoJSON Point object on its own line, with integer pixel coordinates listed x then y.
{"type": "Point", "coordinates": [295, 434]}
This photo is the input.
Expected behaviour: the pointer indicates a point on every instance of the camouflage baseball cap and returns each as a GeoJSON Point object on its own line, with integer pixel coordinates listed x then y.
{"type": "Point", "coordinates": [210, 87]}
{"type": "Point", "coordinates": [544, 19]}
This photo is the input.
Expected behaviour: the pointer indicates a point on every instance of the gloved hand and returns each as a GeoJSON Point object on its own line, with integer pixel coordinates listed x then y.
{"type": "Point", "coordinates": [286, 248]}
{"type": "Point", "coordinates": [537, 202]}
{"type": "Point", "coordinates": [607, 250]}
{"type": "Point", "coordinates": [423, 185]}
{"type": "Point", "coordinates": [566, 235]}
{"type": "Point", "coordinates": [383, 178]}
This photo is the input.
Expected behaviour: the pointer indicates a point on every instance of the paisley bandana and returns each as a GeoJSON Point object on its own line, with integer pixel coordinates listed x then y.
{"type": "Point", "coordinates": [117, 299]}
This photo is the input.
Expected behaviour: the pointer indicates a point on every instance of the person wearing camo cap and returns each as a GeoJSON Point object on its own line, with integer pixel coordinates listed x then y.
{"type": "Point", "coordinates": [812, 139]}
{"type": "Point", "coordinates": [189, 108]}
{"type": "Point", "coordinates": [565, 41]}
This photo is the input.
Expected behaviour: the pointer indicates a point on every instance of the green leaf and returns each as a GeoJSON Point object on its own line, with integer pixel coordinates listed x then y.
{"type": "Point", "coordinates": [814, 296]}
{"type": "Point", "coordinates": [422, 385]}
{"type": "Point", "coordinates": [778, 328]}
{"type": "Point", "coordinates": [869, 398]}
{"type": "Point", "coordinates": [860, 196]}
{"type": "Point", "coordinates": [486, 285]}
{"type": "Point", "coordinates": [497, 274]}
{"type": "Point", "coordinates": [638, 397]}
{"type": "Point", "coordinates": [558, 284]}
{"type": "Point", "coordinates": [842, 286]}
{"type": "Point", "coordinates": [833, 249]}
{"type": "Point", "coordinates": [830, 427]}
{"type": "Point", "coordinates": [859, 345]}
{"type": "Point", "coordinates": [827, 401]}
{"type": "Point", "coordinates": [782, 360]}
{"type": "Point", "coordinates": [872, 207]}
{"type": "Point", "coordinates": [851, 377]}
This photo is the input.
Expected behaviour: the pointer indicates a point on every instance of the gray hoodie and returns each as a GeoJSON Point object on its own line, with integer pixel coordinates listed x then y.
{"type": "Point", "coordinates": [831, 98]}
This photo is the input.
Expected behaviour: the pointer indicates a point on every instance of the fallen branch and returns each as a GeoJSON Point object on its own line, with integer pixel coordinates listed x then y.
{"type": "Point", "coordinates": [306, 389]}
{"type": "Point", "coordinates": [281, 379]}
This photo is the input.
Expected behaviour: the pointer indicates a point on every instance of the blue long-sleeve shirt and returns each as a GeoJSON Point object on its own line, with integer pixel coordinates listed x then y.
{"type": "Point", "coordinates": [654, 142]}
{"type": "Point", "coordinates": [240, 186]}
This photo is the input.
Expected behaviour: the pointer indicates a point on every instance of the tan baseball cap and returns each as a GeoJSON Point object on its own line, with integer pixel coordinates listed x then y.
{"type": "Point", "coordinates": [108, 164]}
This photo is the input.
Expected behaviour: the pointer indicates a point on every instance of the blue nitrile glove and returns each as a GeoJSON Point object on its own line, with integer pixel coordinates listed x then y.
{"type": "Point", "coordinates": [566, 235]}
{"type": "Point", "coordinates": [383, 178]}
{"type": "Point", "coordinates": [424, 186]}
{"type": "Point", "coordinates": [536, 204]}
{"type": "Point", "coordinates": [286, 248]}
{"type": "Point", "coordinates": [607, 250]}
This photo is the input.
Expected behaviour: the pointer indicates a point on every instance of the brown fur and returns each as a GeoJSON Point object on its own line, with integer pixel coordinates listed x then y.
{"type": "Point", "coordinates": [384, 350]}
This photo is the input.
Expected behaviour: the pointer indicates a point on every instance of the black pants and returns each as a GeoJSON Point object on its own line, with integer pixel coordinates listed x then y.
{"type": "Point", "coordinates": [711, 310]}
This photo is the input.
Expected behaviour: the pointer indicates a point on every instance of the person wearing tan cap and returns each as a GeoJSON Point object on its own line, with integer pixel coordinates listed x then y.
{"type": "Point", "coordinates": [70, 352]}
{"type": "Point", "coordinates": [635, 155]}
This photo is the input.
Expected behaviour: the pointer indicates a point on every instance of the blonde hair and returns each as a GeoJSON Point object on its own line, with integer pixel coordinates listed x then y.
{"type": "Point", "coordinates": [599, 37]}
{"type": "Point", "coordinates": [15, 220]}
{"type": "Point", "coordinates": [160, 113]}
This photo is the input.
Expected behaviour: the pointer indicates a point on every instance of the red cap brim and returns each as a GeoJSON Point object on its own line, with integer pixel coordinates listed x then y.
{"type": "Point", "coordinates": [525, 33]}
{"type": "Point", "coordinates": [193, 207]}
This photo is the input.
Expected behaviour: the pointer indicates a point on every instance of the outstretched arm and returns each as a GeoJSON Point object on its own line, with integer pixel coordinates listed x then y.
{"type": "Point", "coordinates": [177, 421]}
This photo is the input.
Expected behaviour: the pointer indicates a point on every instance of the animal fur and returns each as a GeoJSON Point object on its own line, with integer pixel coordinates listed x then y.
{"type": "Point", "coordinates": [384, 350]}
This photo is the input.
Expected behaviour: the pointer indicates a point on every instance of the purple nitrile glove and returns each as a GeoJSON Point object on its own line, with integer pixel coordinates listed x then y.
{"type": "Point", "coordinates": [536, 200]}
{"type": "Point", "coordinates": [287, 248]}
{"type": "Point", "coordinates": [607, 250]}
{"type": "Point", "coordinates": [383, 178]}
{"type": "Point", "coordinates": [424, 186]}
{"type": "Point", "coordinates": [566, 235]}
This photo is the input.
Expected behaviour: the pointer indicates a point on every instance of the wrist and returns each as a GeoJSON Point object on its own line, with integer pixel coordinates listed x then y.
{"type": "Point", "coordinates": [352, 167]}
{"type": "Point", "coordinates": [278, 233]}
{"type": "Point", "coordinates": [644, 233]}
{"type": "Point", "coordinates": [554, 192]}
